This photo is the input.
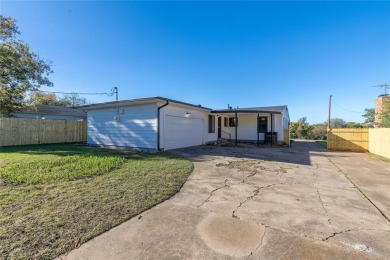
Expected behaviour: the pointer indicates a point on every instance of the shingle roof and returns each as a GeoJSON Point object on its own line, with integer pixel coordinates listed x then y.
{"type": "Point", "coordinates": [136, 101]}
{"type": "Point", "coordinates": [53, 110]}
{"type": "Point", "coordinates": [272, 109]}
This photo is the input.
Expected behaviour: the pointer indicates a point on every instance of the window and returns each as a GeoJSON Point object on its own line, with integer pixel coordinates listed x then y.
{"type": "Point", "coordinates": [225, 122]}
{"type": "Point", "coordinates": [262, 124]}
{"type": "Point", "coordinates": [211, 124]}
{"type": "Point", "coordinates": [233, 122]}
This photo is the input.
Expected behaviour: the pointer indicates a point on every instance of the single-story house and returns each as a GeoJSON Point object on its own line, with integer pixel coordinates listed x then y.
{"type": "Point", "coordinates": [158, 123]}
{"type": "Point", "coordinates": [51, 112]}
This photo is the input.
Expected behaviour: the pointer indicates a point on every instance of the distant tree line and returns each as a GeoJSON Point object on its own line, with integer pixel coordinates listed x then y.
{"type": "Point", "coordinates": [303, 130]}
{"type": "Point", "coordinates": [36, 98]}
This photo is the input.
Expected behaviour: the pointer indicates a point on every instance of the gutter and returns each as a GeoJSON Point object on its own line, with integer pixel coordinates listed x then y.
{"type": "Point", "coordinates": [158, 124]}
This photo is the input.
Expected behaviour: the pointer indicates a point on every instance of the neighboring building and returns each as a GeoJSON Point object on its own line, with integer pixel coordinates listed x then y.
{"type": "Point", "coordinates": [159, 123]}
{"type": "Point", "coordinates": [379, 102]}
{"type": "Point", "coordinates": [51, 113]}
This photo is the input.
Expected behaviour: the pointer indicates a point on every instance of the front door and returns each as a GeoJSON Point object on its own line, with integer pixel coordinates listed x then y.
{"type": "Point", "coordinates": [219, 127]}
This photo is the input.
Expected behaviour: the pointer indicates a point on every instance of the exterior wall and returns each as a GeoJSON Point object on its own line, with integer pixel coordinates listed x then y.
{"type": "Point", "coordinates": [247, 126]}
{"type": "Point", "coordinates": [48, 117]}
{"type": "Point", "coordinates": [379, 102]}
{"type": "Point", "coordinates": [285, 127]}
{"type": "Point", "coordinates": [180, 111]}
{"type": "Point", "coordinates": [136, 128]}
{"type": "Point", "coordinates": [379, 141]}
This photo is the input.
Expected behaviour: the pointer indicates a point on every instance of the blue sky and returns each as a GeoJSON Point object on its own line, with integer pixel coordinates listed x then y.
{"type": "Point", "coordinates": [216, 53]}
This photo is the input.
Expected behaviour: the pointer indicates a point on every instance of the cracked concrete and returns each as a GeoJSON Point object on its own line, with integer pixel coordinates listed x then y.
{"type": "Point", "coordinates": [271, 203]}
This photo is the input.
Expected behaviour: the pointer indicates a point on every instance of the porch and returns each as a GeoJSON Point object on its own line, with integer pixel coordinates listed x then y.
{"type": "Point", "coordinates": [253, 125]}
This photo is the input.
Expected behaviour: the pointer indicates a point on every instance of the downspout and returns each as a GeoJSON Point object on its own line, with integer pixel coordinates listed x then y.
{"type": "Point", "coordinates": [158, 124]}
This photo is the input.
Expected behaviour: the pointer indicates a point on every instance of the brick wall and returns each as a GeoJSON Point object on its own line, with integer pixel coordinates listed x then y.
{"type": "Point", "coordinates": [379, 106]}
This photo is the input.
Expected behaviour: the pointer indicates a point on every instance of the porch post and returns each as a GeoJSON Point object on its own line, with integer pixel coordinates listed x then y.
{"type": "Point", "coordinates": [236, 123]}
{"type": "Point", "coordinates": [272, 129]}
{"type": "Point", "coordinates": [258, 137]}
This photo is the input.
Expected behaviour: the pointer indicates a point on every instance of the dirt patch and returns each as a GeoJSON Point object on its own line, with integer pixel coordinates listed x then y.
{"type": "Point", "coordinates": [251, 166]}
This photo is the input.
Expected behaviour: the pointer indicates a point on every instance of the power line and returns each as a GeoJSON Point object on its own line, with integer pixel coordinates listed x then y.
{"type": "Point", "coordinates": [78, 93]}
{"type": "Point", "coordinates": [385, 86]}
{"type": "Point", "coordinates": [347, 109]}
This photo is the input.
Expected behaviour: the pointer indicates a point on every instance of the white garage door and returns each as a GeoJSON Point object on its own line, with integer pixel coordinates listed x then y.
{"type": "Point", "coordinates": [182, 132]}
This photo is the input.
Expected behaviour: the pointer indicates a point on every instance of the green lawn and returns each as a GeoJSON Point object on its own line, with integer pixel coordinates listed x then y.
{"type": "Point", "coordinates": [55, 197]}
{"type": "Point", "coordinates": [323, 144]}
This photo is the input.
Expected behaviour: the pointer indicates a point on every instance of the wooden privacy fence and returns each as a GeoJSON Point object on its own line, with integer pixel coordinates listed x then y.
{"type": "Point", "coordinates": [379, 141]}
{"type": "Point", "coordinates": [23, 131]}
{"type": "Point", "coordinates": [286, 136]}
{"type": "Point", "coordinates": [348, 139]}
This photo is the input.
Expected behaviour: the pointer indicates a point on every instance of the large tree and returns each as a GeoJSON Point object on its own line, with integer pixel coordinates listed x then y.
{"type": "Point", "coordinates": [337, 123]}
{"type": "Point", "coordinates": [369, 115]}
{"type": "Point", "coordinates": [75, 100]}
{"type": "Point", "coordinates": [21, 69]}
{"type": "Point", "coordinates": [36, 98]}
{"type": "Point", "coordinates": [301, 129]}
{"type": "Point", "coordinates": [320, 131]}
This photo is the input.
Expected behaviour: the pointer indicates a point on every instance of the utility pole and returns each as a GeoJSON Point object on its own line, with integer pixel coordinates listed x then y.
{"type": "Point", "coordinates": [328, 132]}
{"type": "Point", "coordinates": [115, 90]}
{"type": "Point", "coordinates": [330, 106]}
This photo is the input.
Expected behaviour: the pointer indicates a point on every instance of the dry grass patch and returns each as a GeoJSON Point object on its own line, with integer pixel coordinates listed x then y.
{"type": "Point", "coordinates": [43, 219]}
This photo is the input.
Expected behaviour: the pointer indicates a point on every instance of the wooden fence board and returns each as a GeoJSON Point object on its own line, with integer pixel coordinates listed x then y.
{"type": "Point", "coordinates": [348, 139]}
{"type": "Point", "coordinates": [24, 131]}
{"type": "Point", "coordinates": [380, 141]}
{"type": "Point", "coordinates": [286, 136]}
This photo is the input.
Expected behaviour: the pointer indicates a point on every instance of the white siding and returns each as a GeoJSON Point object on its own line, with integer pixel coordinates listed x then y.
{"type": "Point", "coordinates": [247, 126]}
{"type": "Point", "coordinates": [137, 127]}
{"type": "Point", "coordinates": [195, 118]}
{"type": "Point", "coordinates": [182, 132]}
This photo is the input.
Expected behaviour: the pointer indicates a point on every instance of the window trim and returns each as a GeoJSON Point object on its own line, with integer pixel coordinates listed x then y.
{"type": "Point", "coordinates": [226, 122]}
{"type": "Point", "coordinates": [233, 121]}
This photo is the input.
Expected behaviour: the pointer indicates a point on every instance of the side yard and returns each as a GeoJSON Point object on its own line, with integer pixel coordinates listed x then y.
{"type": "Point", "coordinates": [53, 198]}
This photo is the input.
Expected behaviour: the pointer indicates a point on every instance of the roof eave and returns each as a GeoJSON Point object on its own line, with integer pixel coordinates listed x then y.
{"type": "Point", "coordinates": [139, 101]}
{"type": "Point", "coordinates": [244, 112]}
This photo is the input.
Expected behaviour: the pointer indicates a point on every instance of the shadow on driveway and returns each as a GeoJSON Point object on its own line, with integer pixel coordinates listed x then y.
{"type": "Point", "coordinates": [298, 153]}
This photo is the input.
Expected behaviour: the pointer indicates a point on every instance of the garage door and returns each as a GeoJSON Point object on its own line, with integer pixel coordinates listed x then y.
{"type": "Point", "coordinates": [182, 132]}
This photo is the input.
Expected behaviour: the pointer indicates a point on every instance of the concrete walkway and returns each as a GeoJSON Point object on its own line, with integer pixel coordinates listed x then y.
{"type": "Point", "coordinates": [371, 175]}
{"type": "Point", "coordinates": [239, 203]}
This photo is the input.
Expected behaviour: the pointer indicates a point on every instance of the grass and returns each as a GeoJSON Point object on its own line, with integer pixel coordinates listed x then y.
{"type": "Point", "coordinates": [43, 216]}
{"type": "Point", "coordinates": [323, 144]}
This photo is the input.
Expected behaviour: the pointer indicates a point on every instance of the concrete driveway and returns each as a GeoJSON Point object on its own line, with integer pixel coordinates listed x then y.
{"type": "Point", "coordinates": [271, 203]}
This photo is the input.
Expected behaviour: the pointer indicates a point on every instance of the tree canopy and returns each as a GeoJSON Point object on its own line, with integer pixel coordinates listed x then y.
{"type": "Point", "coordinates": [36, 98]}
{"type": "Point", "coordinates": [300, 129]}
{"type": "Point", "coordinates": [21, 69]}
{"type": "Point", "coordinates": [385, 114]}
{"type": "Point", "coordinates": [369, 115]}
{"type": "Point", "coordinates": [303, 130]}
